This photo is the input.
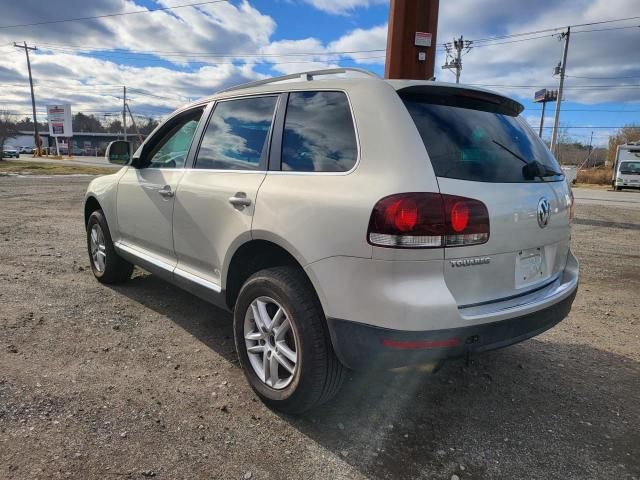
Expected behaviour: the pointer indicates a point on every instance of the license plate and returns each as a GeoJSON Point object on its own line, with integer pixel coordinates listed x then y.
{"type": "Point", "coordinates": [530, 267]}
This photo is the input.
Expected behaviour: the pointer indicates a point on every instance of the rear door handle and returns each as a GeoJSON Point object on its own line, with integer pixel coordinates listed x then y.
{"type": "Point", "coordinates": [240, 200]}
{"type": "Point", "coordinates": [166, 192]}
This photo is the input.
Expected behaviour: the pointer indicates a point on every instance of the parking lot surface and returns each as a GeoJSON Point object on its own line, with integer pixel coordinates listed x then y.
{"type": "Point", "coordinates": [141, 380]}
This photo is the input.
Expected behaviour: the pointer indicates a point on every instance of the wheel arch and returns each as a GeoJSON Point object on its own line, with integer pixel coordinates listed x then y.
{"type": "Point", "coordinates": [91, 204]}
{"type": "Point", "coordinates": [255, 255]}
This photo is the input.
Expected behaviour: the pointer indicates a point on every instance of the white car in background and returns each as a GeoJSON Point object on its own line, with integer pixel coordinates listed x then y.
{"type": "Point", "coordinates": [626, 171]}
{"type": "Point", "coordinates": [10, 152]}
{"type": "Point", "coordinates": [347, 222]}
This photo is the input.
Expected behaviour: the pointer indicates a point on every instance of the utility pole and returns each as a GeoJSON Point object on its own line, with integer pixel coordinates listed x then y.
{"type": "Point", "coordinates": [135, 127]}
{"type": "Point", "coordinates": [589, 155]}
{"type": "Point", "coordinates": [454, 61]}
{"type": "Point", "coordinates": [124, 111]}
{"type": "Point", "coordinates": [36, 134]}
{"type": "Point", "coordinates": [411, 41]}
{"type": "Point", "coordinates": [563, 70]}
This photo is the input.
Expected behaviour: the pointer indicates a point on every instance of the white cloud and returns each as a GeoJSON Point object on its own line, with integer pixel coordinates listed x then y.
{"type": "Point", "coordinates": [362, 40]}
{"type": "Point", "coordinates": [63, 73]}
{"type": "Point", "coordinates": [596, 54]}
{"type": "Point", "coordinates": [342, 7]}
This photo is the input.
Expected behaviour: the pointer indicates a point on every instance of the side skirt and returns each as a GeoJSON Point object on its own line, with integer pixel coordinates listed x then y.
{"type": "Point", "coordinates": [207, 291]}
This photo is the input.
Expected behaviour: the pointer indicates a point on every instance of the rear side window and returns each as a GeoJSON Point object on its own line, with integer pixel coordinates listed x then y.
{"type": "Point", "coordinates": [467, 140]}
{"type": "Point", "coordinates": [318, 133]}
{"type": "Point", "coordinates": [236, 137]}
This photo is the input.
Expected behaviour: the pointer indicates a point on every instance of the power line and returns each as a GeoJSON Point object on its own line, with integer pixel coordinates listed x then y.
{"type": "Point", "coordinates": [112, 14]}
{"type": "Point", "coordinates": [550, 35]}
{"type": "Point", "coordinates": [126, 52]}
{"type": "Point", "coordinates": [577, 87]}
{"type": "Point", "coordinates": [606, 29]}
{"type": "Point", "coordinates": [477, 43]}
{"type": "Point", "coordinates": [602, 78]}
{"type": "Point", "coordinates": [588, 110]}
{"type": "Point", "coordinates": [553, 29]}
{"type": "Point", "coordinates": [516, 41]}
{"type": "Point", "coordinates": [569, 127]}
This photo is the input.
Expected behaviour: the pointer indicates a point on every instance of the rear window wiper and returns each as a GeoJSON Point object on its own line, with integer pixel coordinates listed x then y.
{"type": "Point", "coordinates": [531, 169]}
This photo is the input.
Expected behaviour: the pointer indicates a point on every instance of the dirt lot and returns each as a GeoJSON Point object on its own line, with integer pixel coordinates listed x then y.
{"type": "Point", "coordinates": [142, 380]}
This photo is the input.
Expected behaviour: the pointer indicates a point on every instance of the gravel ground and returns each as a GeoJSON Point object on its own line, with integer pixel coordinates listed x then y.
{"type": "Point", "coordinates": [141, 380]}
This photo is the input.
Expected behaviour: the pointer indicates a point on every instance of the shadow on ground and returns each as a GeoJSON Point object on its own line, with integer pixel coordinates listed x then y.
{"type": "Point", "coordinates": [540, 406]}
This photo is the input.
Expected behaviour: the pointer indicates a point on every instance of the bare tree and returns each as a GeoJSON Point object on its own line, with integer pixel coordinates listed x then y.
{"type": "Point", "coordinates": [628, 134]}
{"type": "Point", "coordinates": [8, 129]}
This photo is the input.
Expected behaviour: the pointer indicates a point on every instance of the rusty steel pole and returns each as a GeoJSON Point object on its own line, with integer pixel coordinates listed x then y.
{"type": "Point", "coordinates": [408, 56]}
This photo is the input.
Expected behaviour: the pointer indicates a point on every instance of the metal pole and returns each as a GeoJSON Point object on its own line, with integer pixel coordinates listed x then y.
{"type": "Point", "coordinates": [588, 156]}
{"type": "Point", "coordinates": [36, 134]}
{"type": "Point", "coordinates": [563, 69]}
{"type": "Point", "coordinates": [124, 112]}
{"type": "Point", "coordinates": [544, 104]}
{"type": "Point", "coordinates": [459, 58]}
{"type": "Point", "coordinates": [135, 127]}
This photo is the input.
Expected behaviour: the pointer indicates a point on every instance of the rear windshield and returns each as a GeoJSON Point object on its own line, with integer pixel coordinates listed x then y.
{"type": "Point", "coordinates": [479, 141]}
{"type": "Point", "coordinates": [630, 168]}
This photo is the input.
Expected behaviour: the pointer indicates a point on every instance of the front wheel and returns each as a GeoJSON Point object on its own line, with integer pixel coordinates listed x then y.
{"type": "Point", "coordinates": [106, 264]}
{"type": "Point", "coordinates": [282, 341]}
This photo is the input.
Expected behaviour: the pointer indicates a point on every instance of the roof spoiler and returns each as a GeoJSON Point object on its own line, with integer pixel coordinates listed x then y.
{"type": "Point", "coordinates": [463, 97]}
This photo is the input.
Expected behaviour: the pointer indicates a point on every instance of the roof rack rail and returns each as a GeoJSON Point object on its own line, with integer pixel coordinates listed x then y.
{"type": "Point", "coordinates": [302, 75]}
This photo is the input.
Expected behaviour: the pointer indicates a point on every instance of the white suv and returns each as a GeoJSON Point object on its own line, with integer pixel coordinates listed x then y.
{"type": "Point", "coordinates": [346, 221]}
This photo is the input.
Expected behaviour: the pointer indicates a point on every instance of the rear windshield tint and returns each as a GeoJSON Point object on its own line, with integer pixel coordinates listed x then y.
{"type": "Point", "coordinates": [467, 139]}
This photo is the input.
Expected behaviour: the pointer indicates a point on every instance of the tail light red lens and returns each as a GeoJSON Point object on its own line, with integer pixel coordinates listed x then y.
{"type": "Point", "coordinates": [428, 220]}
{"type": "Point", "coordinates": [459, 216]}
{"type": "Point", "coordinates": [403, 214]}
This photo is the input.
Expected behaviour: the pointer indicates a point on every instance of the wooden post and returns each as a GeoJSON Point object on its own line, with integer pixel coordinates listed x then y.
{"type": "Point", "coordinates": [406, 18]}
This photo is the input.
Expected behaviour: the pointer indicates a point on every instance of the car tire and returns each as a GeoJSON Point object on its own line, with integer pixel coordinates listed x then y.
{"type": "Point", "coordinates": [107, 266]}
{"type": "Point", "coordinates": [618, 189]}
{"type": "Point", "coordinates": [317, 373]}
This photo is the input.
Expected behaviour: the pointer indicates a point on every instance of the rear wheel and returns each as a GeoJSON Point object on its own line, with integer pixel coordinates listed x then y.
{"type": "Point", "coordinates": [618, 189]}
{"type": "Point", "coordinates": [282, 341]}
{"type": "Point", "coordinates": [106, 264]}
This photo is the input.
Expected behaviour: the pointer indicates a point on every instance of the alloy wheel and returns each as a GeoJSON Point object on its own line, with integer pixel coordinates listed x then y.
{"type": "Point", "coordinates": [271, 343]}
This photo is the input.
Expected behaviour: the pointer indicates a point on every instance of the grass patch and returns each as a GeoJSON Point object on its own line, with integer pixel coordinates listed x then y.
{"type": "Point", "coordinates": [595, 176]}
{"type": "Point", "coordinates": [593, 186]}
{"type": "Point", "coordinates": [41, 168]}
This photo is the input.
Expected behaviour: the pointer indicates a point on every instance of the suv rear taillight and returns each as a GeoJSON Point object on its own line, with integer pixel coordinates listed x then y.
{"type": "Point", "coordinates": [428, 220]}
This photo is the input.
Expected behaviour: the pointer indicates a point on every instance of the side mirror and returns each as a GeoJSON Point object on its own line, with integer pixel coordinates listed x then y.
{"type": "Point", "coordinates": [118, 152]}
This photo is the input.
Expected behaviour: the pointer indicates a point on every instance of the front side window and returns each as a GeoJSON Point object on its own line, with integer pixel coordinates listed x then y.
{"type": "Point", "coordinates": [319, 135]}
{"type": "Point", "coordinates": [237, 135]}
{"type": "Point", "coordinates": [172, 149]}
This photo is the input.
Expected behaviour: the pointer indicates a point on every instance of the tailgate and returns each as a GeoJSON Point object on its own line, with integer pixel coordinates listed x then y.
{"type": "Point", "coordinates": [522, 253]}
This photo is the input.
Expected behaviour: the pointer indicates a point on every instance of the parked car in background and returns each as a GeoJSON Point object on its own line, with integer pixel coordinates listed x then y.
{"type": "Point", "coordinates": [26, 150]}
{"type": "Point", "coordinates": [626, 170]}
{"type": "Point", "coordinates": [10, 152]}
{"type": "Point", "coordinates": [347, 222]}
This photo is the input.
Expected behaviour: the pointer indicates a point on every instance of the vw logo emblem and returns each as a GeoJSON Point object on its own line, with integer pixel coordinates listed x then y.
{"type": "Point", "coordinates": [544, 212]}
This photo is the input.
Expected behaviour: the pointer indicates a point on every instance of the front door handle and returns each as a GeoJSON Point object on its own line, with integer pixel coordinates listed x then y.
{"type": "Point", "coordinates": [166, 192]}
{"type": "Point", "coordinates": [240, 200]}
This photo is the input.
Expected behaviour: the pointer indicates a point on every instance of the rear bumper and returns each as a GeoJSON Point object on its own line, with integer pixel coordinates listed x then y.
{"type": "Point", "coordinates": [365, 347]}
